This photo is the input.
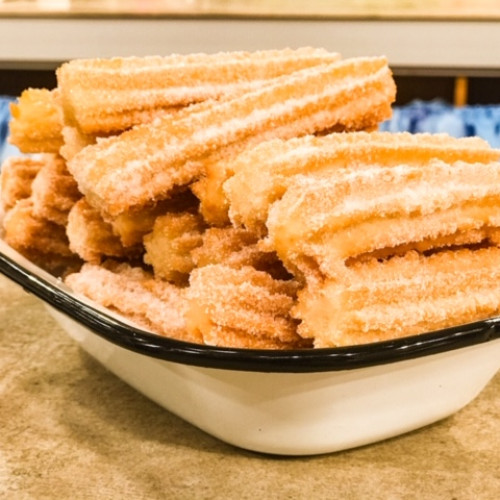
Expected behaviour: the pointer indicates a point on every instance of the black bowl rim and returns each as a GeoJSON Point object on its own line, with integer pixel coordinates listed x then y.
{"type": "Point", "coordinates": [44, 286]}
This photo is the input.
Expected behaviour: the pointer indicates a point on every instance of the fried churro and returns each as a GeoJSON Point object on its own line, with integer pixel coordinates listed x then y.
{"type": "Point", "coordinates": [149, 161]}
{"type": "Point", "coordinates": [236, 247]}
{"type": "Point", "coordinates": [169, 245]}
{"type": "Point", "coordinates": [227, 245]}
{"type": "Point", "coordinates": [266, 170]}
{"type": "Point", "coordinates": [40, 240]}
{"type": "Point", "coordinates": [323, 220]}
{"type": "Point", "coordinates": [103, 96]}
{"type": "Point", "coordinates": [92, 238]}
{"type": "Point", "coordinates": [36, 125]}
{"type": "Point", "coordinates": [241, 308]}
{"type": "Point", "coordinates": [54, 190]}
{"type": "Point", "coordinates": [16, 177]}
{"type": "Point", "coordinates": [133, 225]}
{"type": "Point", "coordinates": [74, 141]}
{"type": "Point", "coordinates": [150, 303]}
{"type": "Point", "coordinates": [246, 200]}
{"type": "Point", "coordinates": [411, 294]}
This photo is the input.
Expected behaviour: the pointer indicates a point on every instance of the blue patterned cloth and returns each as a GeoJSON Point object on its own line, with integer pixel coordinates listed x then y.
{"type": "Point", "coordinates": [418, 116]}
{"type": "Point", "coordinates": [6, 149]}
{"type": "Point", "coordinates": [438, 116]}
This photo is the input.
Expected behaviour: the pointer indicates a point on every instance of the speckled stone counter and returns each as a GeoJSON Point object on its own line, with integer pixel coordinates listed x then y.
{"type": "Point", "coordinates": [70, 429]}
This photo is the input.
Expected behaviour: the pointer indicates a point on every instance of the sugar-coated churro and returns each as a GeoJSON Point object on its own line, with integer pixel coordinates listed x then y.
{"type": "Point", "coordinates": [133, 225]}
{"type": "Point", "coordinates": [74, 141]}
{"type": "Point", "coordinates": [246, 200]}
{"type": "Point", "coordinates": [236, 247]}
{"type": "Point", "coordinates": [54, 190]}
{"type": "Point", "coordinates": [16, 177]}
{"type": "Point", "coordinates": [241, 308]}
{"type": "Point", "coordinates": [323, 220]}
{"type": "Point", "coordinates": [40, 240]}
{"type": "Point", "coordinates": [168, 246]}
{"type": "Point", "coordinates": [102, 96]}
{"type": "Point", "coordinates": [278, 161]}
{"type": "Point", "coordinates": [224, 246]}
{"type": "Point", "coordinates": [412, 294]}
{"type": "Point", "coordinates": [147, 162]}
{"type": "Point", "coordinates": [36, 125]}
{"type": "Point", "coordinates": [152, 304]}
{"type": "Point", "coordinates": [92, 238]}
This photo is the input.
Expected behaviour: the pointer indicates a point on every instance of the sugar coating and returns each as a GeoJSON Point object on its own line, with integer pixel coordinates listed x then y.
{"type": "Point", "coordinates": [147, 162]}
{"type": "Point", "coordinates": [152, 304]}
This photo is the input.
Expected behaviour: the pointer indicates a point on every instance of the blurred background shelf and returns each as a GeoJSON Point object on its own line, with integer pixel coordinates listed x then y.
{"type": "Point", "coordinates": [437, 48]}
{"type": "Point", "coordinates": [412, 9]}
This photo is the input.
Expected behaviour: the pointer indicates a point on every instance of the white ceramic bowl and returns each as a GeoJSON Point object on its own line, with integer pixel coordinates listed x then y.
{"type": "Point", "coordinates": [282, 402]}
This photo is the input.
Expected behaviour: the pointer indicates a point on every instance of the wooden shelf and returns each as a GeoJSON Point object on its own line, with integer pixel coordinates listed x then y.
{"type": "Point", "coordinates": [426, 37]}
{"type": "Point", "coordinates": [418, 47]}
{"type": "Point", "coordinates": [365, 9]}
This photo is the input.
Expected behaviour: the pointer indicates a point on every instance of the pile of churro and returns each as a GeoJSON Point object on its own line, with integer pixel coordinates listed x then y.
{"type": "Point", "coordinates": [247, 199]}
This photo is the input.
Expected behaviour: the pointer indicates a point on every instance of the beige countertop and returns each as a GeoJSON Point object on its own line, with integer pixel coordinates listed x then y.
{"type": "Point", "coordinates": [70, 429]}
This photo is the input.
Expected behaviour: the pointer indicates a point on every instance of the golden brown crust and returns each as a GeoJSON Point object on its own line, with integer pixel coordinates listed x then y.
{"type": "Point", "coordinates": [169, 245]}
{"type": "Point", "coordinates": [236, 247]}
{"type": "Point", "coordinates": [266, 170]}
{"type": "Point", "coordinates": [54, 190]}
{"type": "Point", "coordinates": [152, 304]}
{"type": "Point", "coordinates": [149, 161]}
{"type": "Point", "coordinates": [40, 240]}
{"type": "Point", "coordinates": [323, 220]}
{"type": "Point", "coordinates": [241, 308]}
{"type": "Point", "coordinates": [206, 175]}
{"type": "Point", "coordinates": [411, 294]}
{"type": "Point", "coordinates": [103, 96]}
{"type": "Point", "coordinates": [91, 237]}
{"type": "Point", "coordinates": [16, 177]}
{"type": "Point", "coordinates": [36, 125]}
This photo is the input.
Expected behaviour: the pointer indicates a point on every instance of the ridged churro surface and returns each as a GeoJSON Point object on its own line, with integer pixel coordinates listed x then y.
{"type": "Point", "coordinates": [379, 196]}
{"type": "Point", "coordinates": [279, 161]}
{"type": "Point", "coordinates": [36, 125]}
{"type": "Point", "coordinates": [16, 177]}
{"type": "Point", "coordinates": [102, 96]}
{"type": "Point", "coordinates": [241, 308]}
{"type": "Point", "coordinates": [411, 294]}
{"type": "Point", "coordinates": [247, 200]}
{"type": "Point", "coordinates": [153, 304]}
{"type": "Point", "coordinates": [54, 190]}
{"type": "Point", "coordinates": [92, 238]}
{"type": "Point", "coordinates": [168, 246]}
{"type": "Point", "coordinates": [149, 161]}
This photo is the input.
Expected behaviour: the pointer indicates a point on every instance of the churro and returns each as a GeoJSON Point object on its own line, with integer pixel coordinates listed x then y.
{"type": "Point", "coordinates": [236, 247]}
{"type": "Point", "coordinates": [36, 125]}
{"type": "Point", "coordinates": [168, 246]}
{"type": "Point", "coordinates": [16, 177]}
{"type": "Point", "coordinates": [149, 161]}
{"type": "Point", "coordinates": [224, 246]}
{"type": "Point", "coordinates": [103, 96]}
{"type": "Point", "coordinates": [323, 220]}
{"type": "Point", "coordinates": [54, 190]}
{"type": "Point", "coordinates": [133, 225]}
{"type": "Point", "coordinates": [40, 240]}
{"type": "Point", "coordinates": [241, 308]}
{"type": "Point", "coordinates": [412, 294]}
{"type": "Point", "coordinates": [92, 238]}
{"type": "Point", "coordinates": [279, 161]}
{"type": "Point", "coordinates": [74, 141]}
{"type": "Point", "coordinates": [245, 200]}
{"type": "Point", "coordinates": [152, 304]}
